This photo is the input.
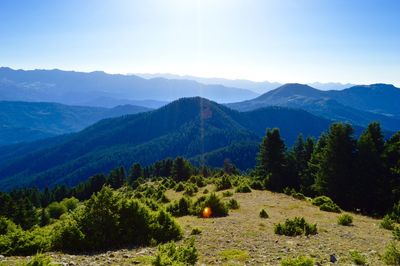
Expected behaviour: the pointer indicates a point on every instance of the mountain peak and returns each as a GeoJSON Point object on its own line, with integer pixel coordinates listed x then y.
{"type": "Point", "coordinates": [291, 89]}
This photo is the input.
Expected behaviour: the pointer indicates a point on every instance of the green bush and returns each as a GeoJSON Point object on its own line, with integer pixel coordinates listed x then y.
{"type": "Point", "coordinates": [263, 214]}
{"type": "Point", "coordinates": [19, 242]}
{"type": "Point", "coordinates": [396, 233]}
{"type": "Point", "coordinates": [39, 260]}
{"type": "Point", "coordinates": [169, 254]}
{"type": "Point", "coordinates": [299, 261]}
{"type": "Point", "coordinates": [233, 204]}
{"type": "Point", "coordinates": [345, 219]}
{"type": "Point", "coordinates": [257, 185]}
{"type": "Point", "coordinates": [164, 228]}
{"type": "Point", "coordinates": [195, 231]}
{"type": "Point", "coordinates": [318, 201]}
{"type": "Point", "coordinates": [181, 207]}
{"type": "Point", "coordinates": [67, 235]}
{"type": "Point", "coordinates": [217, 206]}
{"type": "Point", "coordinates": [296, 226]}
{"type": "Point", "coordinates": [198, 180]}
{"type": "Point", "coordinates": [205, 191]}
{"type": "Point", "coordinates": [227, 194]}
{"type": "Point", "coordinates": [387, 223]}
{"type": "Point", "coordinates": [56, 209]}
{"type": "Point", "coordinates": [179, 187]}
{"type": "Point", "coordinates": [190, 189]}
{"type": "Point", "coordinates": [289, 191]}
{"type": "Point", "coordinates": [243, 188]}
{"type": "Point", "coordinates": [391, 255]}
{"type": "Point", "coordinates": [299, 196]}
{"type": "Point", "coordinates": [70, 203]}
{"type": "Point", "coordinates": [357, 258]}
{"type": "Point", "coordinates": [223, 183]}
{"type": "Point", "coordinates": [330, 207]}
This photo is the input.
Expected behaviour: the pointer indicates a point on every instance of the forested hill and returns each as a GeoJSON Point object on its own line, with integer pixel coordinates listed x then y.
{"type": "Point", "coordinates": [189, 127]}
{"type": "Point", "coordinates": [29, 121]}
{"type": "Point", "coordinates": [358, 105]}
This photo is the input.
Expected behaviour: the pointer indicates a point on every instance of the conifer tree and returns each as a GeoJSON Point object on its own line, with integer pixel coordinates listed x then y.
{"type": "Point", "coordinates": [272, 161]}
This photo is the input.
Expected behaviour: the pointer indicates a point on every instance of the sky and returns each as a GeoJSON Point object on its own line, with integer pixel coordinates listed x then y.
{"type": "Point", "coordinates": [347, 41]}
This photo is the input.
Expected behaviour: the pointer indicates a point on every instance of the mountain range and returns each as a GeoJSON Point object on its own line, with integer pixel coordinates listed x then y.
{"type": "Point", "coordinates": [192, 127]}
{"type": "Point", "coordinates": [29, 121]}
{"type": "Point", "coordinates": [99, 88]}
{"type": "Point", "coordinates": [358, 105]}
{"type": "Point", "coordinates": [258, 87]}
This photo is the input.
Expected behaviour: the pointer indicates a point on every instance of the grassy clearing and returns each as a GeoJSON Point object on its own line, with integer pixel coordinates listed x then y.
{"type": "Point", "coordinates": [244, 238]}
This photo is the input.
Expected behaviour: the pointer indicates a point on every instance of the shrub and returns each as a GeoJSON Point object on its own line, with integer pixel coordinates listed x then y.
{"type": "Point", "coordinates": [56, 209]}
{"type": "Point", "coordinates": [164, 228]}
{"type": "Point", "coordinates": [387, 223]}
{"type": "Point", "coordinates": [357, 258]}
{"type": "Point", "coordinates": [170, 254]}
{"type": "Point", "coordinates": [218, 207]}
{"type": "Point", "coordinates": [330, 207]}
{"type": "Point", "coordinates": [67, 235]}
{"type": "Point", "coordinates": [391, 255]}
{"type": "Point", "coordinates": [294, 227]}
{"type": "Point", "coordinates": [70, 203]}
{"type": "Point", "coordinates": [299, 196]}
{"type": "Point", "coordinates": [233, 204]}
{"type": "Point", "coordinates": [20, 242]}
{"type": "Point", "coordinates": [181, 207]}
{"type": "Point", "coordinates": [6, 225]}
{"type": "Point", "coordinates": [39, 260]}
{"type": "Point", "coordinates": [190, 189]}
{"type": "Point", "coordinates": [179, 187]}
{"type": "Point", "coordinates": [205, 191]}
{"type": "Point", "coordinates": [263, 214]}
{"type": "Point", "coordinates": [396, 233]}
{"type": "Point", "coordinates": [198, 180]}
{"type": "Point", "coordinates": [243, 188]}
{"type": "Point", "coordinates": [257, 185]}
{"type": "Point", "coordinates": [223, 183]}
{"type": "Point", "coordinates": [195, 231]}
{"type": "Point", "coordinates": [289, 191]}
{"type": "Point", "coordinates": [318, 201]}
{"type": "Point", "coordinates": [299, 261]}
{"type": "Point", "coordinates": [99, 219]}
{"type": "Point", "coordinates": [345, 219]}
{"type": "Point", "coordinates": [227, 194]}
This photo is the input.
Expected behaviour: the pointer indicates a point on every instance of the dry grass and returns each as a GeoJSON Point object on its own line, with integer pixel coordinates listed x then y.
{"type": "Point", "coordinates": [243, 238]}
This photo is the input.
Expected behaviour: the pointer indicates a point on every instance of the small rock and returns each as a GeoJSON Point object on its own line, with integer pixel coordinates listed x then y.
{"type": "Point", "coordinates": [333, 258]}
{"type": "Point", "coordinates": [1, 256]}
{"type": "Point", "coordinates": [126, 256]}
{"type": "Point", "coordinates": [111, 255]}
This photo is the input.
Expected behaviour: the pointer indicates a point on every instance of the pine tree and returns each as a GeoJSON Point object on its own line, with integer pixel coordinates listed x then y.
{"type": "Point", "coordinates": [135, 173]}
{"type": "Point", "coordinates": [335, 165]}
{"type": "Point", "coordinates": [181, 169]}
{"type": "Point", "coordinates": [373, 191]}
{"type": "Point", "coordinates": [272, 161]}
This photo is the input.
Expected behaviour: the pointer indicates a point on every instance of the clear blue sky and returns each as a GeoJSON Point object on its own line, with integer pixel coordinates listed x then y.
{"type": "Point", "coordinates": [278, 40]}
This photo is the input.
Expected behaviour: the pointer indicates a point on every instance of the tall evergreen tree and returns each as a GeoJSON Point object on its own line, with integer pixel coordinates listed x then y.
{"type": "Point", "coordinates": [272, 161]}
{"type": "Point", "coordinates": [373, 192]}
{"type": "Point", "coordinates": [181, 169]}
{"type": "Point", "coordinates": [135, 173]}
{"type": "Point", "coordinates": [117, 177]}
{"type": "Point", "coordinates": [392, 164]}
{"type": "Point", "coordinates": [335, 174]}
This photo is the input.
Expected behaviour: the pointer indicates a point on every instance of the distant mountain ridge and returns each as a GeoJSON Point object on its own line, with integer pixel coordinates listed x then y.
{"type": "Point", "coordinates": [78, 88]}
{"type": "Point", "coordinates": [29, 121]}
{"type": "Point", "coordinates": [192, 127]}
{"type": "Point", "coordinates": [256, 86]}
{"type": "Point", "coordinates": [358, 105]}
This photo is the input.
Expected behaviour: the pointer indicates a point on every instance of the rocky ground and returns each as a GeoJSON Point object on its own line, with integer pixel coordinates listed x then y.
{"type": "Point", "coordinates": [243, 238]}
